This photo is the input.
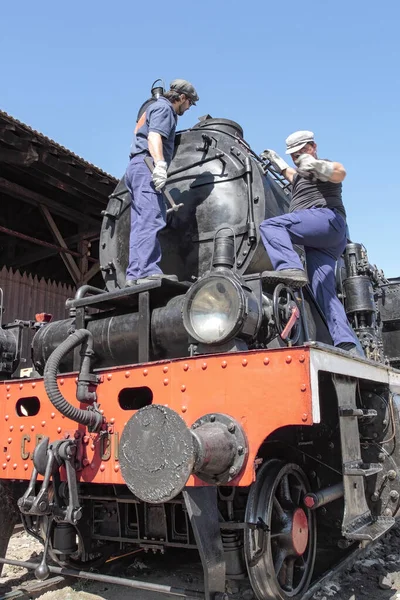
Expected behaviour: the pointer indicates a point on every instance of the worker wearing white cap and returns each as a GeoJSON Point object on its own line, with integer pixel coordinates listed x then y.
{"type": "Point", "coordinates": [317, 221]}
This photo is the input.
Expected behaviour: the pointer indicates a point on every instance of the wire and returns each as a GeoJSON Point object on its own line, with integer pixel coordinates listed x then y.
{"type": "Point", "coordinates": [123, 555]}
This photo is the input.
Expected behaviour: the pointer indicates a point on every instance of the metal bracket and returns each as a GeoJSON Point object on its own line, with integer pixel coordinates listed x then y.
{"type": "Point", "coordinates": [201, 505]}
{"type": "Point", "coordinates": [358, 521]}
{"type": "Point", "coordinates": [61, 452]}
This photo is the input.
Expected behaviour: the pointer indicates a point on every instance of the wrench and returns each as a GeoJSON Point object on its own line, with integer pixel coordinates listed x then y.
{"type": "Point", "coordinates": [174, 207]}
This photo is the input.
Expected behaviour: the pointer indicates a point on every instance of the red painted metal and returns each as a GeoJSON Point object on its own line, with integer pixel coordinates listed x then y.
{"type": "Point", "coordinates": [246, 386]}
{"type": "Point", "coordinates": [299, 531]}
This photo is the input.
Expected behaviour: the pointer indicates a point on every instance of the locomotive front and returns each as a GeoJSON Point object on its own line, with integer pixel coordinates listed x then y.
{"type": "Point", "coordinates": [210, 413]}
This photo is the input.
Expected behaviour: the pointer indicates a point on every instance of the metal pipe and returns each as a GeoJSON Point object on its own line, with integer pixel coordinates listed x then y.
{"type": "Point", "coordinates": [90, 418]}
{"type": "Point", "coordinates": [139, 585]}
{"type": "Point", "coordinates": [82, 291]}
{"type": "Point", "coordinates": [195, 164]}
{"type": "Point", "coordinates": [322, 497]}
{"type": "Point", "coordinates": [29, 238]}
{"type": "Point", "coordinates": [249, 176]}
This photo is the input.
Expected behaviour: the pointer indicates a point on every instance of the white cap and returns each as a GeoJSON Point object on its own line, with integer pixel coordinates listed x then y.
{"type": "Point", "coordinates": [297, 140]}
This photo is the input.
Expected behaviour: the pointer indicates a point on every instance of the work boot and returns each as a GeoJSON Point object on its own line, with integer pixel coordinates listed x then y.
{"type": "Point", "coordinates": [294, 277]}
{"type": "Point", "coordinates": [156, 276]}
{"type": "Point", "coordinates": [350, 348]}
{"type": "Point", "coordinates": [130, 282]}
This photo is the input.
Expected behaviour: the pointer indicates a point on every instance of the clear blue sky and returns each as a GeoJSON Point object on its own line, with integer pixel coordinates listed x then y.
{"type": "Point", "coordinates": [78, 71]}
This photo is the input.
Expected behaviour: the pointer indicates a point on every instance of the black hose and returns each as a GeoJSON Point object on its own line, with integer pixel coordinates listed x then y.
{"type": "Point", "coordinates": [90, 418]}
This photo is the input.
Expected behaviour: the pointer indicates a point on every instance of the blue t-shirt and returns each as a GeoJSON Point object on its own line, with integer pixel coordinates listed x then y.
{"type": "Point", "coordinates": [161, 118]}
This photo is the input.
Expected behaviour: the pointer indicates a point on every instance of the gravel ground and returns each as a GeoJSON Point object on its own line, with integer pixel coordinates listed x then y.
{"type": "Point", "coordinates": [375, 576]}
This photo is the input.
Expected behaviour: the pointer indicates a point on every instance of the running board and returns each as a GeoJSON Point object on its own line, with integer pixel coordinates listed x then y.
{"type": "Point", "coordinates": [360, 469]}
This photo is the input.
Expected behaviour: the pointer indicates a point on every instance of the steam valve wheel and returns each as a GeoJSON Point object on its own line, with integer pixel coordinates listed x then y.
{"type": "Point", "coordinates": [287, 314]}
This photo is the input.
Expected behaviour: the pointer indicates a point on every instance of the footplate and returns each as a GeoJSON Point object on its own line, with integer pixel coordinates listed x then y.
{"type": "Point", "coordinates": [363, 529]}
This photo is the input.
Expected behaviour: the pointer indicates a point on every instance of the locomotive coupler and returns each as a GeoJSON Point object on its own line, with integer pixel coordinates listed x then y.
{"type": "Point", "coordinates": [47, 460]}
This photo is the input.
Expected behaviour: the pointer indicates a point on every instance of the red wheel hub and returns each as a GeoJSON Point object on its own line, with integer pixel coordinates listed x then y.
{"type": "Point", "coordinates": [299, 531]}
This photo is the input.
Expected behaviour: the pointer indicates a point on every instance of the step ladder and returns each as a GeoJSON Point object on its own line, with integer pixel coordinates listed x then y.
{"type": "Point", "coordinates": [358, 521]}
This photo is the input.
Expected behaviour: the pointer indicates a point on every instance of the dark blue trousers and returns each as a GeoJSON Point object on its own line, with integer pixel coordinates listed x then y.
{"type": "Point", "coordinates": [148, 217]}
{"type": "Point", "coordinates": [322, 232]}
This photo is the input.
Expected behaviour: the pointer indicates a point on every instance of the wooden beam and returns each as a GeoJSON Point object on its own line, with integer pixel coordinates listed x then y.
{"type": "Point", "coordinates": [32, 257]}
{"type": "Point", "coordinates": [50, 250]}
{"type": "Point", "coordinates": [58, 208]}
{"type": "Point", "coordinates": [29, 238]}
{"type": "Point", "coordinates": [83, 249]}
{"type": "Point", "coordinates": [87, 196]}
{"type": "Point", "coordinates": [83, 173]}
{"type": "Point", "coordinates": [67, 258]}
{"type": "Point", "coordinates": [64, 163]}
{"type": "Point", "coordinates": [91, 273]}
{"type": "Point", "coordinates": [15, 157]}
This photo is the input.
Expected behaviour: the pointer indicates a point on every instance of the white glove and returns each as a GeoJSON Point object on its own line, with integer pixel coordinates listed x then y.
{"type": "Point", "coordinates": [278, 163]}
{"type": "Point", "coordinates": [322, 169]}
{"type": "Point", "coordinates": [160, 175]}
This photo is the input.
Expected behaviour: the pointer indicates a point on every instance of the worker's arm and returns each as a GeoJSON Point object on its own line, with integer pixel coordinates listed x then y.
{"type": "Point", "coordinates": [155, 146]}
{"type": "Point", "coordinates": [324, 170]}
{"type": "Point", "coordinates": [279, 164]}
{"type": "Point", "coordinates": [339, 173]}
{"type": "Point", "coordinates": [289, 173]}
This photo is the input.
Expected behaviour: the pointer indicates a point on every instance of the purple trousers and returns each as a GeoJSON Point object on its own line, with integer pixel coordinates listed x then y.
{"type": "Point", "coordinates": [148, 217]}
{"type": "Point", "coordinates": [322, 232]}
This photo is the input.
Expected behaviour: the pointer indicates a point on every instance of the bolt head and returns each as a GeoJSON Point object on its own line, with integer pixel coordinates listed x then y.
{"type": "Point", "coordinates": [232, 471]}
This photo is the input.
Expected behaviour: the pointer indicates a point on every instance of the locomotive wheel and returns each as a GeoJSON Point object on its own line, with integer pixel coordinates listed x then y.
{"type": "Point", "coordinates": [280, 550]}
{"type": "Point", "coordinates": [283, 301]}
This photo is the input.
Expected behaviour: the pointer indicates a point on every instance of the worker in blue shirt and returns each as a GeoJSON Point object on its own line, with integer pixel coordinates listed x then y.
{"type": "Point", "coordinates": [154, 136]}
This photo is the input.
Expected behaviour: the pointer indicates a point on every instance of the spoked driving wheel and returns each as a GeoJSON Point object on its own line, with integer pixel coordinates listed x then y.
{"type": "Point", "coordinates": [280, 543]}
{"type": "Point", "coordinates": [286, 314]}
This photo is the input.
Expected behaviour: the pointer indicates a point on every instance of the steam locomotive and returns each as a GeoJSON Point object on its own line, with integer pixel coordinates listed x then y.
{"type": "Point", "coordinates": [210, 413]}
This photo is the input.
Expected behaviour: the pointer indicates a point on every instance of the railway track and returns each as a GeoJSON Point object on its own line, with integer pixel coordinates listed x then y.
{"type": "Point", "coordinates": [60, 577]}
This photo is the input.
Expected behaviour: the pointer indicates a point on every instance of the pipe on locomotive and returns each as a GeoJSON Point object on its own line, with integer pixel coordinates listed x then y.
{"type": "Point", "coordinates": [91, 418]}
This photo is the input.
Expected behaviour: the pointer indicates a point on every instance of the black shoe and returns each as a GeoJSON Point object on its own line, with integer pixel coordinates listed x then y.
{"type": "Point", "coordinates": [293, 277]}
{"type": "Point", "coordinates": [350, 348]}
{"type": "Point", "coordinates": [155, 277]}
{"type": "Point", "coordinates": [130, 282]}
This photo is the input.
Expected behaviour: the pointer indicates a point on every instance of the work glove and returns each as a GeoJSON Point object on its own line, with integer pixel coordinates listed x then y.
{"type": "Point", "coordinates": [278, 163]}
{"type": "Point", "coordinates": [322, 169]}
{"type": "Point", "coordinates": [160, 175]}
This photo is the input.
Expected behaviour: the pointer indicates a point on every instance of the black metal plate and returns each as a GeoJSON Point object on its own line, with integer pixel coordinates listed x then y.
{"type": "Point", "coordinates": [156, 454]}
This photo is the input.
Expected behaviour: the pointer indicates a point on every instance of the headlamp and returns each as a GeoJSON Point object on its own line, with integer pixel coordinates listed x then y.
{"type": "Point", "coordinates": [218, 308]}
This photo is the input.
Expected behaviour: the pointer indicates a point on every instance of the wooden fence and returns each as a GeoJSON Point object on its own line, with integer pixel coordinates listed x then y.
{"type": "Point", "coordinates": [24, 296]}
